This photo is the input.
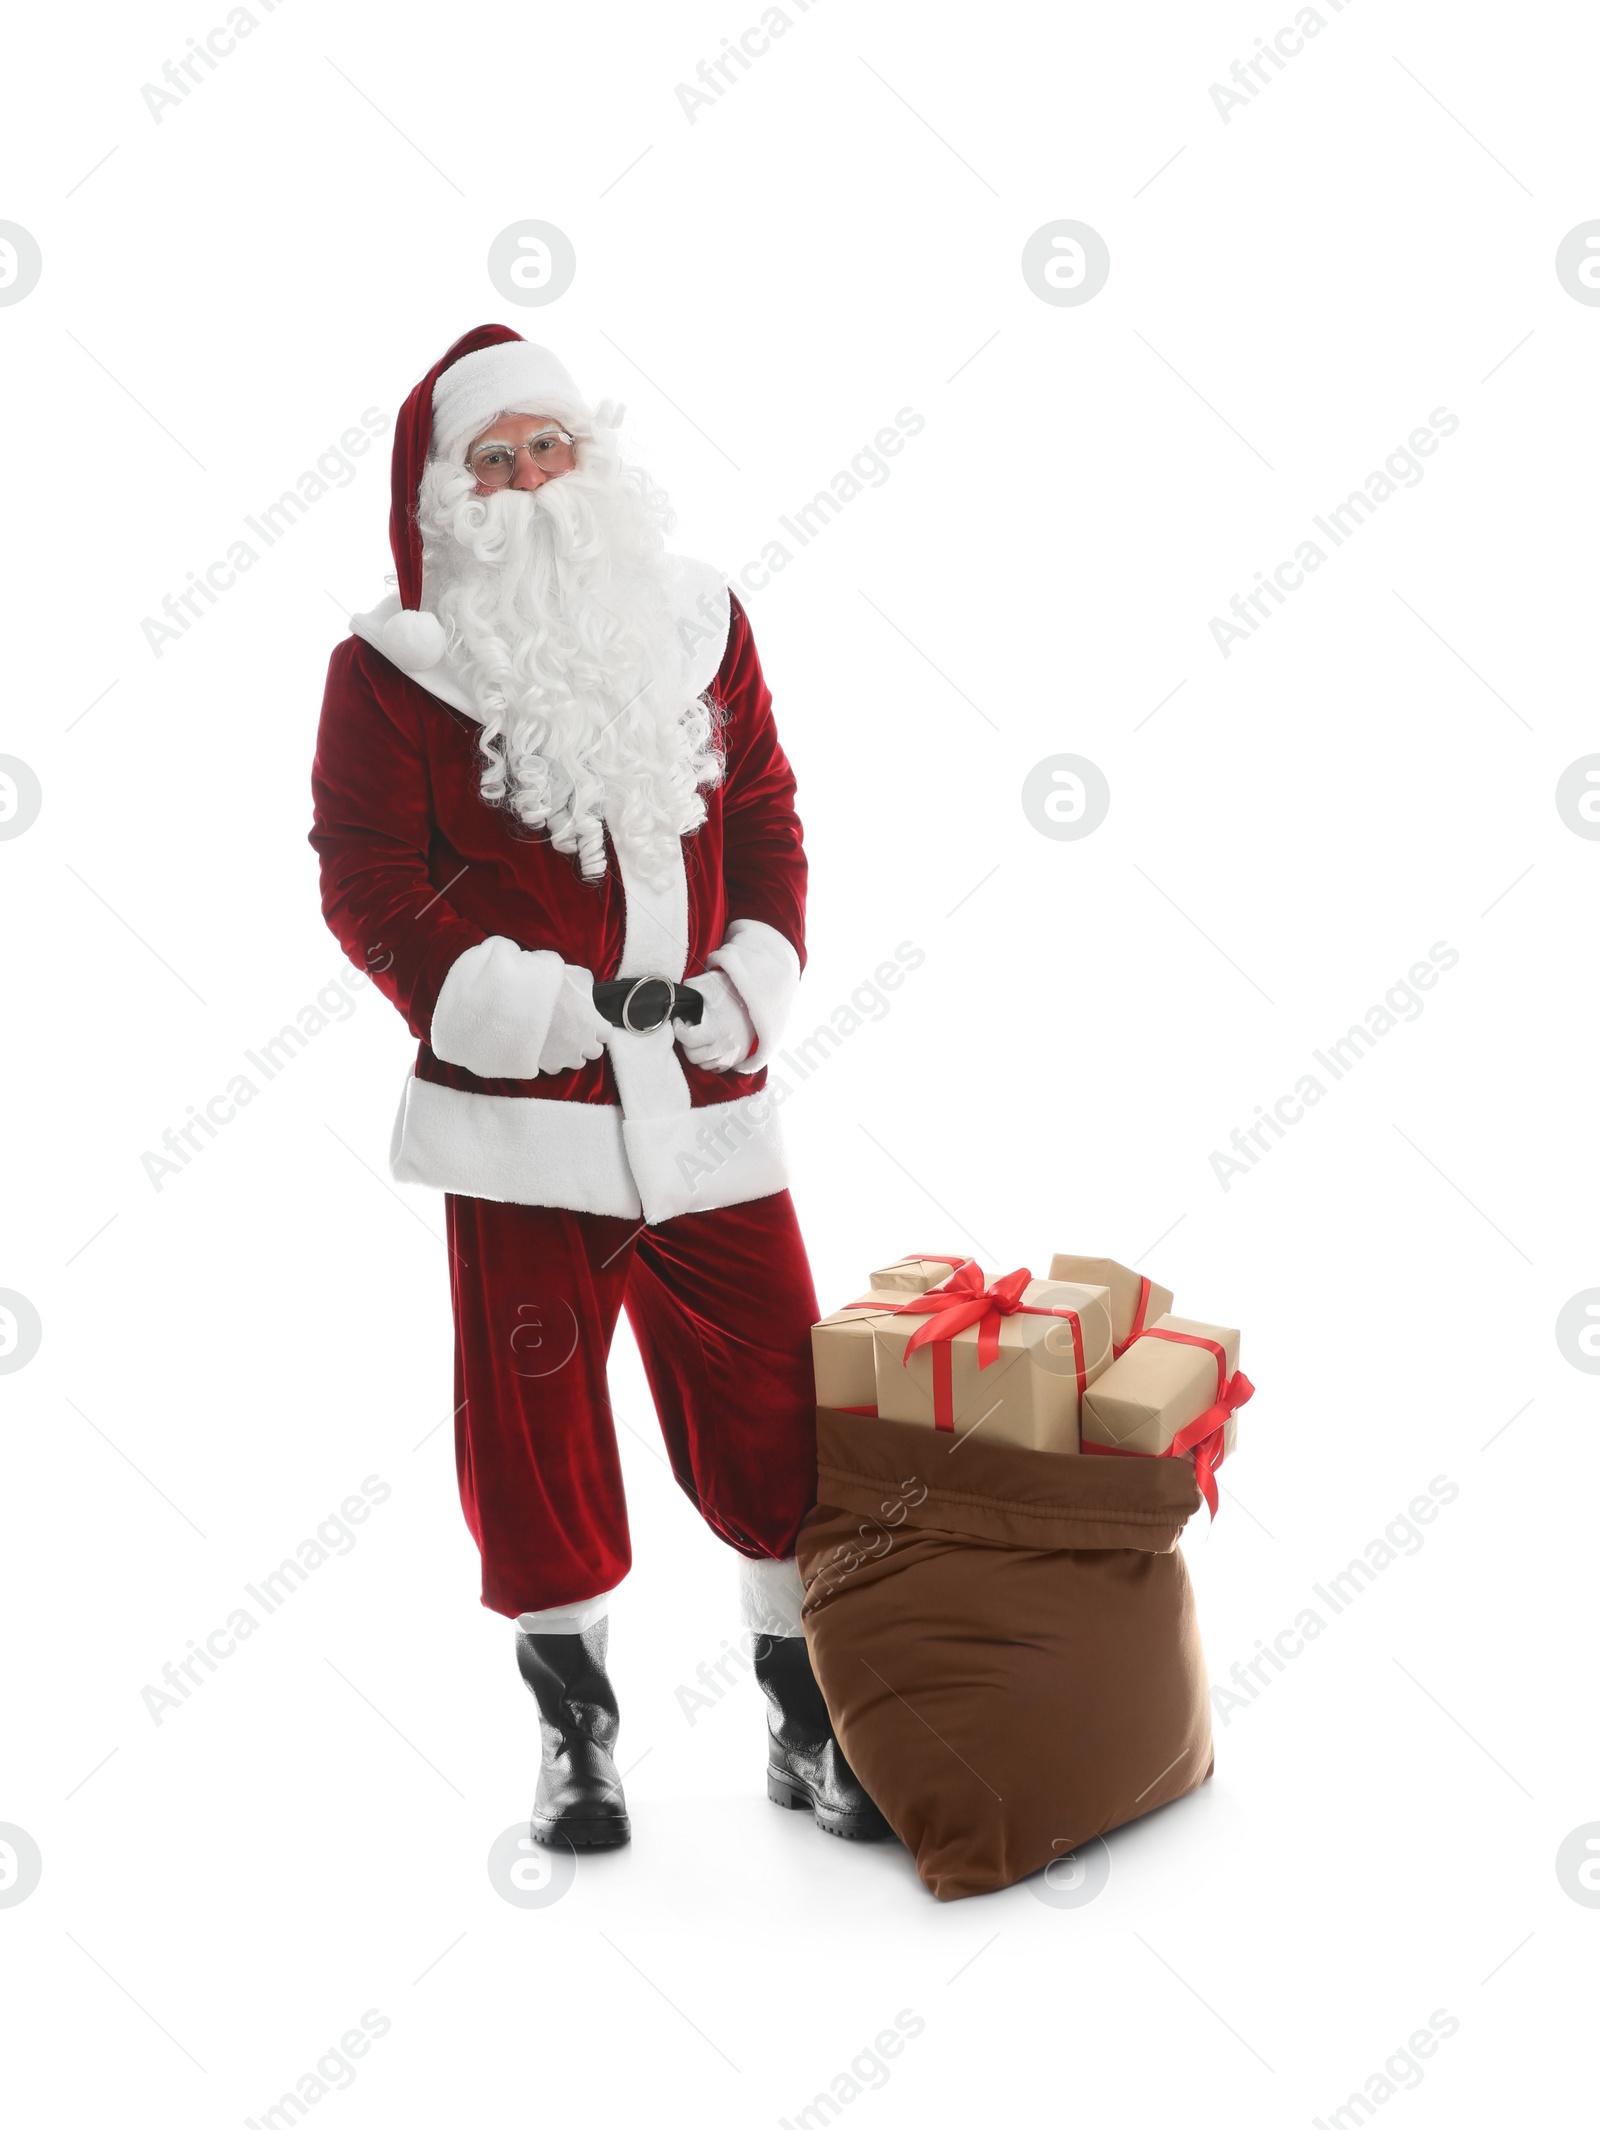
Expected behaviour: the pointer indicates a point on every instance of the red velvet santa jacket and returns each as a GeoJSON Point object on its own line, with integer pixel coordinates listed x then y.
{"type": "Point", "coordinates": [463, 919]}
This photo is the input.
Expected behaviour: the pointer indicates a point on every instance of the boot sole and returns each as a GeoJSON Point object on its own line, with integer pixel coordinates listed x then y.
{"type": "Point", "coordinates": [795, 1797]}
{"type": "Point", "coordinates": [581, 1833]}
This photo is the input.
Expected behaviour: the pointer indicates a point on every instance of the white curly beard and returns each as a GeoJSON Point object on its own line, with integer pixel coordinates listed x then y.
{"type": "Point", "coordinates": [557, 606]}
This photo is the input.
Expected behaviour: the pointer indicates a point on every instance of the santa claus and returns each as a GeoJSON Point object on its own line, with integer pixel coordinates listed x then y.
{"type": "Point", "coordinates": [557, 829]}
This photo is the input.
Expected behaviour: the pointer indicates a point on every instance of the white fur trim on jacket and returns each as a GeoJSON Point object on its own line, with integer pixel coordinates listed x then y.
{"type": "Point", "coordinates": [656, 1154]}
{"type": "Point", "coordinates": [764, 969]}
{"type": "Point", "coordinates": [722, 1155]}
{"type": "Point", "coordinates": [494, 1009]}
{"type": "Point", "coordinates": [585, 1156]}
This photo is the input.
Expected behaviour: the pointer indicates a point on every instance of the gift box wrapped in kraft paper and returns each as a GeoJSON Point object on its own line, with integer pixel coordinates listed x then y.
{"type": "Point", "coordinates": [1006, 1640]}
{"type": "Point", "coordinates": [1013, 1358]}
{"type": "Point", "coordinates": [841, 1344]}
{"type": "Point", "coordinates": [1176, 1388]}
{"type": "Point", "coordinates": [1135, 1301]}
{"type": "Point", "coordinates": [841, 1352]}
{"type": "Point", "coordinates": [912, 1275]}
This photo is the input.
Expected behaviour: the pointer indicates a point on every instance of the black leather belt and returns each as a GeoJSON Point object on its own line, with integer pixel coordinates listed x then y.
{"type": "Point", "coordinates": [643, 1003]}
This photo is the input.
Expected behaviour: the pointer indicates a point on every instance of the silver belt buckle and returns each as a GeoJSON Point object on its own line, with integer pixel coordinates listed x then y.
{"type": "Point", "coordinates": [627, 1005]}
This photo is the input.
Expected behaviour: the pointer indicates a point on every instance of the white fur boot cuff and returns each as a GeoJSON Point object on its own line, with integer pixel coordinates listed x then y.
{"type": "Point", "coordinates": [567, 1619]}
{"type": "Point", "coordinates": [770, 1596]}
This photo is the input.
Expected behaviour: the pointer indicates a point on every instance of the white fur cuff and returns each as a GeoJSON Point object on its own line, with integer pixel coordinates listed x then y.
{"type": "Point", "coordinates": [494, 1010]}
{"type": "Point", "coordinates": [765, 971]}
{"type": "Point", "coordinates": [770, 1596]}
{"type": "Point", "coordinates": [567, 1619]}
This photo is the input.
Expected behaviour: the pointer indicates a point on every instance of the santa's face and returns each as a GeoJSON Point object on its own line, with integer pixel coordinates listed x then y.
{"type": "Point", "coordinates": [540, 448]}
{"type": "Point", "coordinates": [556, 596]}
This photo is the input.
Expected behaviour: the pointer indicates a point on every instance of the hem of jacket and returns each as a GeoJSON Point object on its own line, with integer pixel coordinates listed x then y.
{"type": "Point", "coordinates": [585, 1157]}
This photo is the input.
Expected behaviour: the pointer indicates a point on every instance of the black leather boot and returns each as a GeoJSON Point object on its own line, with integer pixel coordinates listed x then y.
{"type": "Point", "coordinates": [806, 1770]}
{"type": "Point", "coordinates": [579, 1795]}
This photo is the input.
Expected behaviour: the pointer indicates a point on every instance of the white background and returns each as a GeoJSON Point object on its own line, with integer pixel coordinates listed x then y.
{"type": "Point", "coordinates": [223, 1360]}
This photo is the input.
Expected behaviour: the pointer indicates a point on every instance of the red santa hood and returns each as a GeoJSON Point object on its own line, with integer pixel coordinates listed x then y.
{"type": "Point", "coordinates": [488, 372]}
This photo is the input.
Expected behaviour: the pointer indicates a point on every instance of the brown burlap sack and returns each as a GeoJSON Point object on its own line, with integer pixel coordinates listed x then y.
{"type": "Point", "coordinates": [1006, 1639]}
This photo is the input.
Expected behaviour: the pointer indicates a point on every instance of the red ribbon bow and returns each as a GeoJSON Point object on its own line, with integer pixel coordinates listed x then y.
{"type": "Point", "coordinates": [1206, 1435]}
{"type": "Point", "coordinates": [961, 1301]}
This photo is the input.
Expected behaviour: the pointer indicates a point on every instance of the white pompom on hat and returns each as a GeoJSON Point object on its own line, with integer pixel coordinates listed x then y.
{"type": "Point", "coordinates": [514, 376]}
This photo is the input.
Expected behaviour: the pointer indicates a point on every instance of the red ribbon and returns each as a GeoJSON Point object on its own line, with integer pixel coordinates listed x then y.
{"type": "Point", "coordinates": [1136, 1328]}
{"type": "Point", "coordinates": [1207, 1435]}
{"type": "Point", "coordinates": [962, 1301]}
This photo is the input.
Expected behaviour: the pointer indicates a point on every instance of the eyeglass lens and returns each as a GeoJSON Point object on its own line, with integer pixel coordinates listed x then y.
{"type": "Point", "coordinates": [496, 464]}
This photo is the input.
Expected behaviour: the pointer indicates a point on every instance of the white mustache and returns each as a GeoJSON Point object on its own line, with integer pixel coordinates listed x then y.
{"type": "Point", "coordinates": [563, 625]}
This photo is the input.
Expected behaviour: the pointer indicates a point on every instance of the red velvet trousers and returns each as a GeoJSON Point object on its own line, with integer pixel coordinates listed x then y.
{"type": "Point", "coordinates": [721, 1305]}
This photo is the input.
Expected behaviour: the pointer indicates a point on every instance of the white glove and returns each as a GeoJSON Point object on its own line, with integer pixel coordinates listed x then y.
{"type": "Point", "coordinates": [578, 1029]}
{"type": "Point", "coordinates": [725, 1034]}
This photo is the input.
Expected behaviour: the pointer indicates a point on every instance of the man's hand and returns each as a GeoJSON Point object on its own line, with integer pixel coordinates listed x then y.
{"type": "Point", "coordinates": [725, 1035]}
{"type": "Point", "coordinates": [578, 1029]}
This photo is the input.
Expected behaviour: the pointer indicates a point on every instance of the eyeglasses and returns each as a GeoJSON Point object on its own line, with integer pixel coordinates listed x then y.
{"type": "Point", "coordinates": [494, 465]}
